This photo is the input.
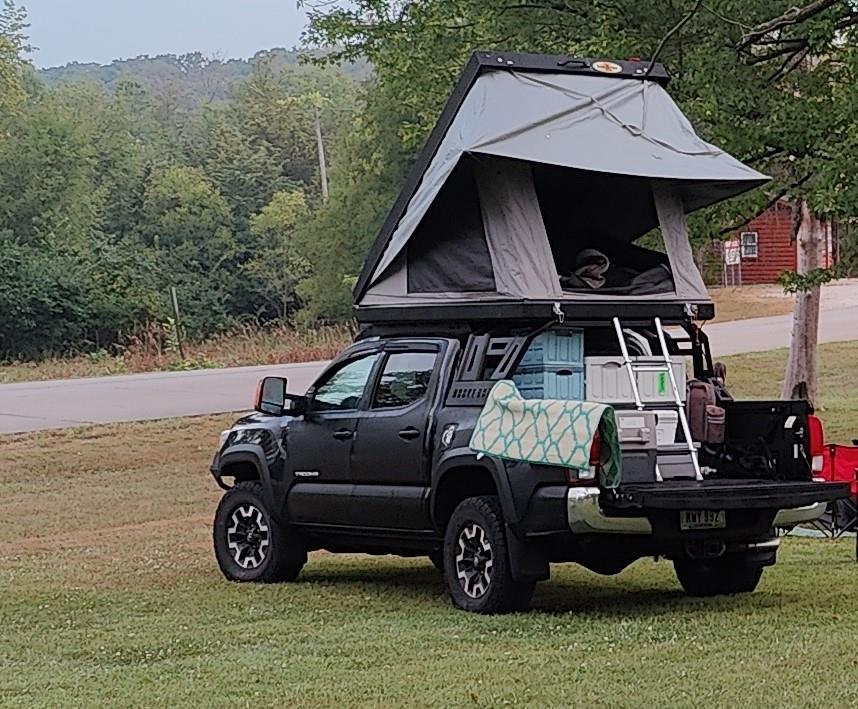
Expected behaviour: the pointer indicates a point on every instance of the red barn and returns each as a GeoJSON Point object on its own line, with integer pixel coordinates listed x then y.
{"type": "Point", "coordinates": [765, 248]}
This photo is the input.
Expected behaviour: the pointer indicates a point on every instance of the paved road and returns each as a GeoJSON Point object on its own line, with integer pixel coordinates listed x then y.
{"type": "Point", "coordinates": [32, 406]}
{"type": "Point", "coordinates": [760, 334]}
{"type": "Point", "coordinates": [72, 402]}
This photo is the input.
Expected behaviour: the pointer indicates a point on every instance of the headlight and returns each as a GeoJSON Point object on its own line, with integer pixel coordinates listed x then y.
{"type": "Point", "coordinates": [252, 436]}
{"type": "Point", "coordinates": [261, 437]}
{"type": "Point", "coordinates": [223, 436]}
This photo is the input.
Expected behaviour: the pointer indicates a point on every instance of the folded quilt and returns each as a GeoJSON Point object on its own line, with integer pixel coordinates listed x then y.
{"type": "Point", "coordinates": [550, 431]}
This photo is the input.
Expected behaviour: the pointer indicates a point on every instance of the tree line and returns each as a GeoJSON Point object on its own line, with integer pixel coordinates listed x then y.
{"type": "Point", "coordinates": [114, 189]}
{"type": "Point", "coordinates": [112, 194]}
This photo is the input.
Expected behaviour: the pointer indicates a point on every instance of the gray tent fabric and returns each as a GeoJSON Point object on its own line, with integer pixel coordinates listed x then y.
{"type": "Point", "coordinates": [595, 123]}
{"type": "Point", "coordinates": [448, 252]}
{"type": "Point", "coordinates": [671, 217]}
{"type": "Point", "coordinates": [518, 245]}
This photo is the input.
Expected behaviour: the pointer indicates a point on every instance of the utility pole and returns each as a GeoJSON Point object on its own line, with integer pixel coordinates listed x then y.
{"type": "Point", "coordinates": [323, 168]}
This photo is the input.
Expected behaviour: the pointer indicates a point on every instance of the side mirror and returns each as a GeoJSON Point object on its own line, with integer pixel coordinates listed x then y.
{"type": "Point", "coordinates": [271, 398]}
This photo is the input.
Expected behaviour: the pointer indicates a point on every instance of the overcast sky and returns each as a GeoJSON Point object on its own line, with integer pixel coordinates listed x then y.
{"type": "Point", "coordinates": [103, 30]}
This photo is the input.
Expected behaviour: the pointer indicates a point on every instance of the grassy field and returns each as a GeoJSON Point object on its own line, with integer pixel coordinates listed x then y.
{"type": "Point", "coordinates": [755, 301]}
{"type": "Point", "coordinates": [759, 375]}
{"type": "Point", "coordinates": [111, 597]}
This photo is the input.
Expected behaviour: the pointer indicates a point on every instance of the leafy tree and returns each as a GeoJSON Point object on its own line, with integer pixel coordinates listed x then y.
{"type": "Point", "coordinates": [47, 175]}
{"type": "Point", "coordinates": [241, 165]}
{"type": "Point", "coordinates": [278, 263]}
{"type": "Point", "coordinates": [367, 169]}
{"type": "Point", "coordinates": [770, 82]}
{"type": "Point", "coordinates": [121, 181]}
{"type": "Point", "coordinates": [13, 44]}
{"type": "Point", "coordinates": [187, 222]}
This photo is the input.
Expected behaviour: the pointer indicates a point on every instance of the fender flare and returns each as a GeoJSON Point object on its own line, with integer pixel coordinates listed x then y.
{"type": "Point", "coordinates": [466, 458]}
{"type": "Point", "coordinates": [528, 561]}
{"type": "Point", "coordinates": [253, 454]}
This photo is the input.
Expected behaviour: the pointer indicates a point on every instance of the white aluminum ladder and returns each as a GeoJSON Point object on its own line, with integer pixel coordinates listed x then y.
{"type": "Point", "coordinates": [633, 368]}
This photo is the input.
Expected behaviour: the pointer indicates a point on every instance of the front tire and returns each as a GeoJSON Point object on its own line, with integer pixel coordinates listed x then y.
{"type": "Point", "coordinates": [727, 575]}
{"type": "Point", "coordinates": [249, 543]}
{"type": "Point", "coordinates": [476, 562]}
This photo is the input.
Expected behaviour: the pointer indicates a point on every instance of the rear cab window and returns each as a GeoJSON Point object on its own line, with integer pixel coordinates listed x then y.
{"type": "Point", "coordinates": [404, 379]}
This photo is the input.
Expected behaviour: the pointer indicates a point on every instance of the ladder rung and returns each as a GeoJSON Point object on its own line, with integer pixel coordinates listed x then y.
{"type": "Point", "coordinates": [649, 367]}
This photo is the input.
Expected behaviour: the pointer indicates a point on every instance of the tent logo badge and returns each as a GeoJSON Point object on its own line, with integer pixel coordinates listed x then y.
{"type": "Point", "coordinates": [607, 67]}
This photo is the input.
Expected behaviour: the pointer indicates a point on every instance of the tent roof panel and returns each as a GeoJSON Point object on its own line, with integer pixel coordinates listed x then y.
{"type": "Point", "coordinates": [480, 63]}
{"type": "Point", "coordinates": [540, 112]}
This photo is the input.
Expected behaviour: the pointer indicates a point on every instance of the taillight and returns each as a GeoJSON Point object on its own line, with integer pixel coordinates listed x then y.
{"type": "Point", "coordinates": [587, 475]}
{"type": "Point", "coordinates": [596, 449]}
{"type": "Point", "coordinates": [817, 443]}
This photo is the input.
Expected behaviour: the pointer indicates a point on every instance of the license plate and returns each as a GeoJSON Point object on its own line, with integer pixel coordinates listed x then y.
{"type": "Point", "coordinates": [702, 519]}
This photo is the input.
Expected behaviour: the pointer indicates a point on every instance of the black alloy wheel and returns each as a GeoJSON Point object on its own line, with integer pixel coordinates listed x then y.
{"type": "Point", "coordinates": [476, 561]}
{"type": "Point", "coordinates": [250, 543]}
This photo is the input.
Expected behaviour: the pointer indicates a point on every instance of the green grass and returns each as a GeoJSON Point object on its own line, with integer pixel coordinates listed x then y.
{"type": "Point", "coordinates": [363, 631]}
{"type": "Point", "coordinates": [760, 375]}
{"type": "Point", "coordinates": [111, 597]}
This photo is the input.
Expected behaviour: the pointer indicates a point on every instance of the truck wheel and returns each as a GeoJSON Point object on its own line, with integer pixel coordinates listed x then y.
{"type": "Point", "coordinates": [249, 544]}
{"type": "Point", "coordinates": [476, 564]}
{"type": "Point", "coordinates": [716, 577]}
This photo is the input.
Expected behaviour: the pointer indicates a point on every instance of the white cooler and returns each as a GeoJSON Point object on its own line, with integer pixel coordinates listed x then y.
{"type": "Point", "coordinates": [607, 381]}
{"type": "Point", "coordinates": [667, 421]}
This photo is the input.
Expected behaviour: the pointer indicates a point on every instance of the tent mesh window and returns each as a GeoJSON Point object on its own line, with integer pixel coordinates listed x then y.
{"type": "Point", "coordinates": [448, 251]}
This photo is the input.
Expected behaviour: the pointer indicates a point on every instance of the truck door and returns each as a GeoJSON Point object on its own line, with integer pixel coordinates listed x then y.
{"type": "Point", "coordinates": [389, 456]}
{"type": "Point", "coordinates": [319, 447]}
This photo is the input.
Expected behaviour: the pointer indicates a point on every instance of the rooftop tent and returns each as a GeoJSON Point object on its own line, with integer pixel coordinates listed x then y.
{"type": "Point", "coordinates": [536, 183]}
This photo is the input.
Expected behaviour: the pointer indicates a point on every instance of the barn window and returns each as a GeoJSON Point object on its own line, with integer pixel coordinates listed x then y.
{"type": "Point", "coordinates": [750, 244]}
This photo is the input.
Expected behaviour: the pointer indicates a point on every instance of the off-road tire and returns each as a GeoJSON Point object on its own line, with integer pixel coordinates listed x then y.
{"type": "Point", "coordinates": [717, 577]}
{"type": "Point", "coordinates": [278, 554]}
{"type": "Point", "coordinates": [492, 588]}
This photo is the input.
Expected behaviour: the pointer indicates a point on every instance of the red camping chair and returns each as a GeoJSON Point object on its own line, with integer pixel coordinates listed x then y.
{"type": "Point", "coordinates": [840, 464]}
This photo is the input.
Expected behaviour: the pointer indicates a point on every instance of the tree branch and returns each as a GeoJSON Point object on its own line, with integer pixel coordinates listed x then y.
{"type": "Point", "coordinates": [771, 203]}
{"type": "Point", "coordinates": [678, 26]}
{"type": "Point", "coordinates": [792, 61]}
{"type": "Point", "coordinates": [790, 46]}
{"type": "Point", "coordinates": [793, 16]}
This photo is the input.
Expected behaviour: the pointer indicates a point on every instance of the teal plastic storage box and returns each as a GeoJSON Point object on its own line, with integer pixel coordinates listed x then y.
{"type": "Point", "coordinates": [555, 348]}
{"type": "Point", "coordinates": [550, 382]}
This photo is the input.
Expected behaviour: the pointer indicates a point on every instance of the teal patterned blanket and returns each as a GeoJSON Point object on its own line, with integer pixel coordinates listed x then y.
{"type": "Point", "coordinates": [550, 431]}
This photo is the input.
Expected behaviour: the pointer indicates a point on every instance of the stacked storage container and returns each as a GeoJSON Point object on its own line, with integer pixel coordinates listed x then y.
{"type": "Point", "coordinates": [608, 383]}
{"type": "Point", "coordinates": [553, 366]}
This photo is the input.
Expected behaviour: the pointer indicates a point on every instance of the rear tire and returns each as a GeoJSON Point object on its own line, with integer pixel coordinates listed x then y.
{"type": "Point", "coordinates": [249, 543]}
{"type": "Point", "coordinates": [476, 562]}
{"type": "Point", "coordinates": [717, 577]}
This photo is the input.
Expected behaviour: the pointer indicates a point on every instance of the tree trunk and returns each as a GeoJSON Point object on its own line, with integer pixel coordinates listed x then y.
{"type": "Point", "coordinates": [801, 380]}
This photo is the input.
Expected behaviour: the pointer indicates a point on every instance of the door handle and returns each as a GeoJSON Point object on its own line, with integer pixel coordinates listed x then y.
{"type": "Point", "coordinates": [409, 433]}
{"type": "Point", "coordinates": [343, 434]}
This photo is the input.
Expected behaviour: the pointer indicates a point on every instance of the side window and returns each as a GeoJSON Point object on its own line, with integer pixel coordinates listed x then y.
{"type": "Point", "coordinates": [750, 244]}
{"type": "Point", "coordinates": [344, 389]}
{"type": "Point", "coordinates": [404, 380]}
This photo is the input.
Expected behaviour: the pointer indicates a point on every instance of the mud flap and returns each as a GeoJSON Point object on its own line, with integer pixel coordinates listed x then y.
{"type": "Point", "coordinates": [527, 560]}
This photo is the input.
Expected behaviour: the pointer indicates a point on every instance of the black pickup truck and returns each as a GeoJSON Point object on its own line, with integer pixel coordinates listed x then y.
{"type": "Point", "coordinates": [375, 458]}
